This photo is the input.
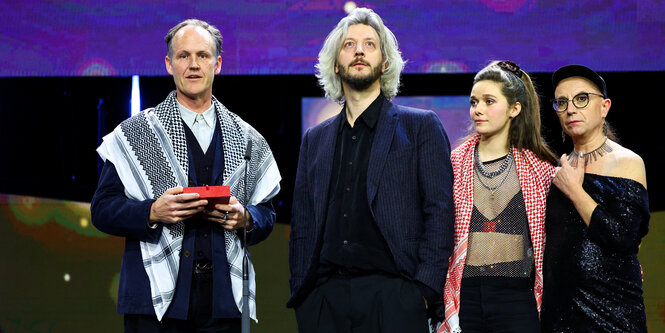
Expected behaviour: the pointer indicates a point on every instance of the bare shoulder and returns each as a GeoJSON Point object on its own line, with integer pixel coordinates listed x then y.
{"type": "Point", "coordinates": [627, 164]}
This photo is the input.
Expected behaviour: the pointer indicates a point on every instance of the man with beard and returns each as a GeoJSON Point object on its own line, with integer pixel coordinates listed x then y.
{"type": "Point", "coordinates": [372, 220]}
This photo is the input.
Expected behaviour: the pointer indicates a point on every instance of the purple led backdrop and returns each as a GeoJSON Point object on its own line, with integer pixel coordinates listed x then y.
{"type": "Point", "coordinates": [453, 112]}
{"type": "Point", "coordinates": [121, 37]}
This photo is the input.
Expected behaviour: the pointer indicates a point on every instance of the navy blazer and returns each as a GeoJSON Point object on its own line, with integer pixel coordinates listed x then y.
{"type": "Point", "coordinates": [409, 191]}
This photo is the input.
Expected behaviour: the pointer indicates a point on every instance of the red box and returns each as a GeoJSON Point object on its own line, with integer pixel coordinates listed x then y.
{"type": "Point", "coordinates": [214, 194]}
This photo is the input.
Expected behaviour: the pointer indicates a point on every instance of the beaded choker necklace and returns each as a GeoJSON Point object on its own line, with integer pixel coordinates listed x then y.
{"type": "Point", "coordinates": [481, 168]}
{"type": "Point", "coordinates": [602, 150]}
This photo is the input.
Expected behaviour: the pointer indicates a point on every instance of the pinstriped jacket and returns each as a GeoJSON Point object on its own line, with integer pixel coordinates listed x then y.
{"type": "Point", "coordinates": [409, 191]}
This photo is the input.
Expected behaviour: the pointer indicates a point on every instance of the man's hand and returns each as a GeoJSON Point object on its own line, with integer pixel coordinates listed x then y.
{"type": "Point", "coordinates": [174, 206]}
{"type": "Point", "coordinates": [229, 216]}
{"type": "Point", "coordinates": [569, 178]}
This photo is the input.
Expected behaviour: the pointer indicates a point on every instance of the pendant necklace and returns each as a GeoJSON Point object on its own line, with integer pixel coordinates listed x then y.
{"type": "Point", "coordinates": [602, 150]}
{"type": "Point", "coordinates": [480, 170]}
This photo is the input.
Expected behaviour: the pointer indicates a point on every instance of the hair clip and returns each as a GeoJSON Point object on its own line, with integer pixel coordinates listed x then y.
{"type": "Point", "coordinates": [510, 66]}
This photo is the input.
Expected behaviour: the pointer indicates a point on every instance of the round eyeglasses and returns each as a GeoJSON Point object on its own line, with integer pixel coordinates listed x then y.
{"type": "Point", "coordinates": [580, 100]}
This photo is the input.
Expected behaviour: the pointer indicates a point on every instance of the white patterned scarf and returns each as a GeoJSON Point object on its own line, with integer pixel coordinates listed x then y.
{"type": "Point", "coordinates": [149, 152]}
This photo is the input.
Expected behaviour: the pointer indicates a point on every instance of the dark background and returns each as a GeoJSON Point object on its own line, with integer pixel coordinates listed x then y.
{"type": "Point", "coordinates": [51, 126]}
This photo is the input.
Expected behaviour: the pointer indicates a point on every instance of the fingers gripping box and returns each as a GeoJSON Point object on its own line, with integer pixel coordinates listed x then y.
{"type": "Point", "coordinates": [214, 194]}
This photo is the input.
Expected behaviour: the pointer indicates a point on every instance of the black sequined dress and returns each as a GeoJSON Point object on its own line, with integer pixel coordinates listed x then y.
{"type": "Point", "coordinates": [592, 278]}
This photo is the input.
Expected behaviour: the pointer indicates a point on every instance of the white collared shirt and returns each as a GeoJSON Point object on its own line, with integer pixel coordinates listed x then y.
{"type": "Point", "coordinates": [190, 118]}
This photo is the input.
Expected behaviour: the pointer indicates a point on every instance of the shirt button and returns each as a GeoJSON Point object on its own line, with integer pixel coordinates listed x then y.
{"type": "Point", "coordinates": [350, 163]}
{"type": "Point", "coordinates": [205, 235]}
{"type": "Point", "coordinates": [348, 189]}
{"type": "Point", "coordinates": [187, 254]}
{"type": "Point", "coordinates": [346, 242]}
{"type": "Point", "coordinates": [345, 215]}
{"type": "Point", "coordinates": [353, 137]}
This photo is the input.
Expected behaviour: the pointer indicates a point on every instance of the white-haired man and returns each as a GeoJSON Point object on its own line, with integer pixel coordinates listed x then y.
{"type": "Point", "coordinates": [372, 221]}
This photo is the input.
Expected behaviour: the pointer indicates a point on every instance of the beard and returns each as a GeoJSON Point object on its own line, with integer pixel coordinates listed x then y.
{"type": "Point", "coordinates": [360, 83]}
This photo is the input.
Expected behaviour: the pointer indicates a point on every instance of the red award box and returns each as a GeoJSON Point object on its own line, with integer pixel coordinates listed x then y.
{"type": "Point", "coordinates": [214, 194]}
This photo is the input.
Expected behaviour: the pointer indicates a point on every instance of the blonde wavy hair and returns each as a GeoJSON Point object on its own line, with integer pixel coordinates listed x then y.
{"type": "Point", "coordinates": [392, 57]}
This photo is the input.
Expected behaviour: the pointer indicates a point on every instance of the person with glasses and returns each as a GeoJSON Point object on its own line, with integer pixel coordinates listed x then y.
{"type": "Point", "coordinates": [502, 174]}
{"type": "Point", "coordinates": [597, 214]}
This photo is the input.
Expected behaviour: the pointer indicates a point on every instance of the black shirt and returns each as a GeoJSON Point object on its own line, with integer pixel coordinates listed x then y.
{"type": "Point", "coordinates": [352, 241]}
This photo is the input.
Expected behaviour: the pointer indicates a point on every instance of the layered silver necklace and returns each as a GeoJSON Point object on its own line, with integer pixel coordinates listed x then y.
{"type": "Point", "coordinates": [481, 170]}
{"type": "Point", "coordinates": [591, 156]}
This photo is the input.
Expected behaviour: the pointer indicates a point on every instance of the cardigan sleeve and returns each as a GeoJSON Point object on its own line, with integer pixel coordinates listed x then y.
{"type": "Point", "coordinates": [115, 214]}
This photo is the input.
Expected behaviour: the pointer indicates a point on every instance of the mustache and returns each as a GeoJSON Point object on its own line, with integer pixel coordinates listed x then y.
{"type": "Point", "coordinates": [359, 60]}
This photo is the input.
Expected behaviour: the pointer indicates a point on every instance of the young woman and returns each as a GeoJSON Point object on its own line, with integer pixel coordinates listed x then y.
{"type": "Point", "coordinates": [502, 177]}
{"type": "Point", "coordinates": [597, 214]}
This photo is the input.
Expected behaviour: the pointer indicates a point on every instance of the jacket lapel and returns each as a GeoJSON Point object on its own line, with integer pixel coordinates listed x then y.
{"type": "Point", "coordinates": [324, 154]}
{"type": "Point", "coordinates": [385, 129]}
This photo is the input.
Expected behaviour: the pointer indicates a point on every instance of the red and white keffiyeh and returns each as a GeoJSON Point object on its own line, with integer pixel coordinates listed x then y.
{"type": "Point", "coordinates": [535, 177]}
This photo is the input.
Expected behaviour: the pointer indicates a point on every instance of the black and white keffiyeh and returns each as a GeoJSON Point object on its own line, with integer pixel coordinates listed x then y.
{"type": "Point", "coordinates": [149, 152]}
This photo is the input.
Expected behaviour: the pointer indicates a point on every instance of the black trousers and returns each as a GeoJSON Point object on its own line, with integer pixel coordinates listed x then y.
{"type": "Point", "coordinates": [199, 318]}
{"type": "Point", "coordinates": [498, 304]}
{"type": "Point", "coordinates": [366, 303]}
